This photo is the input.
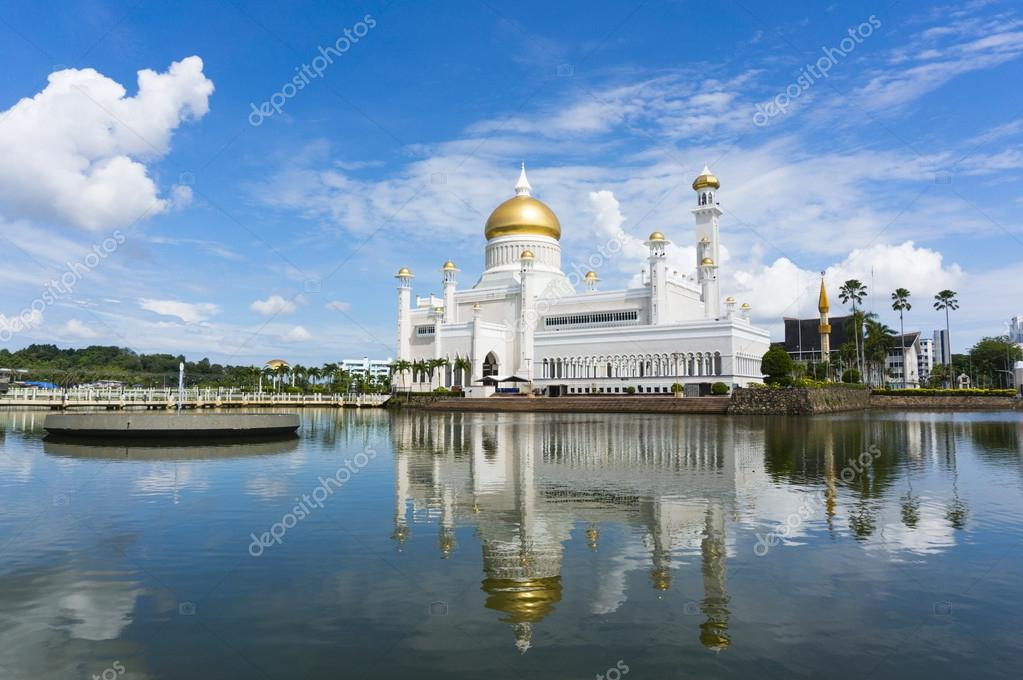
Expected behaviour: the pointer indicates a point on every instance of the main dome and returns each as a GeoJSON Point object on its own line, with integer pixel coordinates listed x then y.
{"type": "Point", "coordinates": [523, 215]}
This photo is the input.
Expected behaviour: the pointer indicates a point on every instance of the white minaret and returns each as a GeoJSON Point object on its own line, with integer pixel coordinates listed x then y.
{"type": "Point", "coordinates": [404, 277]}
{"type": "Point", "coordinates": [448, 272]}
{"type": "Point", "coordinates": [527, 314]}
{"type": "Point", "coordinates": [707, 214]}
{"type": "Point", "coordinates": [658, 278]}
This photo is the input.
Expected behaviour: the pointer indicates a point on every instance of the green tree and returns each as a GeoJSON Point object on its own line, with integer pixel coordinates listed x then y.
{"type": "Point", "coordinates": [946, 300]}
{"type": "Point", "coordinates": [853, 292]}
{"type": "Point", "coordinates": [901, 304]}
{"type": "Point", "coordinates": [992, 360]}
{"type": "Point", "coordinates": [777, 365]}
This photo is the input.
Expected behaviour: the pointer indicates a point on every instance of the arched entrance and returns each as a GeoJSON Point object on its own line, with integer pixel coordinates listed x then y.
{"type": "Point", "coordinates": [490, 365]}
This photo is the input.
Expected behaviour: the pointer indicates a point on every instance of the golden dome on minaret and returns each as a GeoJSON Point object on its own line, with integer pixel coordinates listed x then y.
{"type": "Point", "coordinates": [822, 299]}
{"type": "Point", "coordinates": [656, 236]}
{"type": "Point", "coordinates": [523, 215]}
{"type": "Point", "coordinates": [706, 179]}
{"type": "Point", "coordinates": [449, 266]}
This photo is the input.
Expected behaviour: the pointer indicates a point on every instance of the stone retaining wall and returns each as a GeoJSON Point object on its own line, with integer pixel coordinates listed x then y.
{"type": "Point", "coordinates": [581, 404]}
{"type": "Point", "coordinates": [935, 402]}
{"type": "Point", "coordinates": [799, 401]}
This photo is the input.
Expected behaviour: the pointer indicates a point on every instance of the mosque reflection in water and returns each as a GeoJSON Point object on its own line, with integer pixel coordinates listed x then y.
{"type": "Point", "coordinates": [690, 486]}
{"type": "Point", "coordinates": [525, 482]}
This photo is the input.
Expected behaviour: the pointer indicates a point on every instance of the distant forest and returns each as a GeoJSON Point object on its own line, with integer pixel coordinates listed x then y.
{"type": "Point", "coordinates": [68, 367]}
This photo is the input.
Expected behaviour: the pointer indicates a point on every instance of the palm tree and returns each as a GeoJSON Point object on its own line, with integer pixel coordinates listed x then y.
{"type": "Point", "coordinates": [464, 364]}
{"type": "Point", "coordinates": [314, 373]}
{"type": "Point", "coordinates": [401, 367]}
{"type": "Point", "coordinates": [279, 372]}
{"type": "Point", "coordinates": [900, 303]}
{"type": "Point", "coordinates": [852, 291]}
{"type": "Point", "coordinates": [946, 300]}
{"type": "Point", "coordinates": [877, 344]}
{"type": "Point", "coordinates": [432, 365]}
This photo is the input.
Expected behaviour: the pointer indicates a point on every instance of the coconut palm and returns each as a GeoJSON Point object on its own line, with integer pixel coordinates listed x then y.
{"type": "Point", "coordinates": [853, 291]}
{"type": "Point", "coordinates": [464, 364]}
{"type": "Point", "coordinates": [401, 367]}
{"type": "Point", "coordinates": [432, 365]}
{"type": "Point", "coordinates": [946, 300]}
{"type": "Point", "coordinates": [877, 344]}
{"type": "Point", "coordinates": [900, 303]}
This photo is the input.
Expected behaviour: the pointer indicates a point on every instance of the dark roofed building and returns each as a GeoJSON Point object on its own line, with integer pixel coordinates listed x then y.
{"type": "Point", "coordinates": [803, 337]}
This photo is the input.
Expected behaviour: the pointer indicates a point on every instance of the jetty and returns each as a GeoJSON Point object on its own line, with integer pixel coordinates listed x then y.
{"type": "Point", "coordinates": [171, 425]}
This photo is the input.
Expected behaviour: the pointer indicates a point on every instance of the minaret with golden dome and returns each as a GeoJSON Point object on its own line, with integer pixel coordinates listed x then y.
{"type": "Point", "coordinates": [658, 278]}
{"type": "Point", "coordinates": [707, 214]}
{"type": "Point", "coordinates": [825, 326]}
{"type": "Point", "coordinates": [404, 277]}
{"type": "Point", "coordinates": [448, 272]}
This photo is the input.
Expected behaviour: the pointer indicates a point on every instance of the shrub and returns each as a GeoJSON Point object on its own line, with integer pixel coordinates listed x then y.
{"type": "Point", "coordinates": [441, 390]}
{"type": "Point", "coordinates": [676, 388]}
{"type": "Point", "coordinates": [777, 366]}
{"type": "Point", "coordinates": [719, 388]}
{"type": "Point", "coordinates": [851, 375]}
{"type": "Point", "coordinates": [630, 390]}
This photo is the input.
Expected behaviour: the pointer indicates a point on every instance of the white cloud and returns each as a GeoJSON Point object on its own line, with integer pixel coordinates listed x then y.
{"type": "Point", "coordinates": [188, 312]}
{"type": "Point", "coordinates": [74, 152]}
{"type": "Point", "coordinates": [297, 334]}
{"type": "Point", "coordinates": [77, 329]}
{"type": "Point", "coordinates": [274, 305]}
{"type": "Point", "coordinates": [26, 320]}
{"type": "Point", "coordinates": [338, 306]}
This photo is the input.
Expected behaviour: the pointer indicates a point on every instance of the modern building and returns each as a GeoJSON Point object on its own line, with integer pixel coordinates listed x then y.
{"type": "Point", "coordinates": [1016, 330]}
{"type": "Point", "coordinates": [925, 360]}
{"type": "Point", "coordinates": [942, 348]}
{"type": "Point", "coordinates": [375, 368]}
{"type": "Point", "coordinates": [903, 369]}
{"type": "Point", "coordinates": [524, 320]}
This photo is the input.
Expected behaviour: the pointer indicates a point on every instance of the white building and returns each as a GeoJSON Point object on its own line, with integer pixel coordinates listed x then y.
{"type": "Point", "coordinates": [524, 318]}
{"type": "Point", "coordinates": [904, 360]}
{"type": "Point", "coordinates": [942, 348]}
{"type": "Point", "coordinates": [1016, 330]}
{"type": "Point", "coordinates": [925, 360]}
{"type": "Point", "coordinates": [376, 368]}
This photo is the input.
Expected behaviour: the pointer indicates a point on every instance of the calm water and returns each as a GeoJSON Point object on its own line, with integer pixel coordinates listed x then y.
{"type": "Point", "coordinates": [520, 546]}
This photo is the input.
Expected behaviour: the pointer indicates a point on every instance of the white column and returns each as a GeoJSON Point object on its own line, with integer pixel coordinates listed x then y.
{"type": "Point", "coordinates": [404, 277]}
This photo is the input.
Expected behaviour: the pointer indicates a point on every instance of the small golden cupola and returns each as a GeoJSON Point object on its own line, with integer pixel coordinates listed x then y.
{"type": "Point", "coordinates": [706, 180]}
{"type": "Point", "coordinates": [523, 215]}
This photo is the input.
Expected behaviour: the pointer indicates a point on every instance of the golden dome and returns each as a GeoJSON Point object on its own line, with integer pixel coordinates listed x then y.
{"type": "Point", "coordinates": [729, 300]}
{"type": "Point", "coordinates": [706, 179]}
{"type": "Point", "coordinates": [745, 305]}
{"type": "Point", "coordinates": [278, 363]}
{"type": "Point", "coordinates": [523, 600]}
{"type": "Point", "coordinates": [591, 276]}
{"type": "Point", "coordinates": [522, 215]}
{"type": "Point", "coordinates": [476, 307]}
{"type": "Point", "coordinates": [404, 271]}
{"type": "Point", "coordinates": [527, 255]}
{"type": "Point", "coordinates": [449, 266]}
{"type": "Point", "coordinates": [707, 261]}
{"type": "Point", "coordinates": [656, 236]}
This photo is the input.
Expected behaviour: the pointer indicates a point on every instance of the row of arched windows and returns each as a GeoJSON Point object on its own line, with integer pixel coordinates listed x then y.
{"type": "Point", "coordinates": [511, 253]}
{"type": "Point", "coordinates": [679, 364]}
{"type": "Point", "coordinates": [706, 198]}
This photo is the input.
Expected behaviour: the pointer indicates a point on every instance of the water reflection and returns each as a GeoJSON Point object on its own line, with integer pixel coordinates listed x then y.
{"type": "Point", "coordinates": [100, 449]}
{"type": "Point", "coordinates": [690, 486]}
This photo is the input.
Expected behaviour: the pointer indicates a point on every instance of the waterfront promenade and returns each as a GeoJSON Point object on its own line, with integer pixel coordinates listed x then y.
{"type": "Point", "coordinates": [165, 398]}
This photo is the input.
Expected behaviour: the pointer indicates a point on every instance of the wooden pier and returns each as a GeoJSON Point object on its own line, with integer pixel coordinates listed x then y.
{"type": "Point", "coordinates": [162, 399]}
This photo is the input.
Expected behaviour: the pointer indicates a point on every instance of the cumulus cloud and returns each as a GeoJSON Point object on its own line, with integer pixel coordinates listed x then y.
{"type": "Point", "coordinates": [75, 152]}
{"type": "Point", "coordinates": [297, 334]}
{"type": "Point", "coordinates": [26, 320]}
{"type": "Point", "coordinates": [77, 329]}
{"type": "Point", "coordinates": [338, 306]}
{"type": "Point", "coordinates": [189, 312]}
{"type": "Point", "coordinates": [274, 305]}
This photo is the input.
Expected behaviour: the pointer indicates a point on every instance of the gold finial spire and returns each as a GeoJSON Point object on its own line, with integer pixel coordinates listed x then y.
{"type": "Point", "coordinates": [822, 301]}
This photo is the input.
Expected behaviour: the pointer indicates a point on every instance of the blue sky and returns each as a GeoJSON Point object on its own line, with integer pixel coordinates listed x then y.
{"type": "Point", "coordinates": [131, 170]}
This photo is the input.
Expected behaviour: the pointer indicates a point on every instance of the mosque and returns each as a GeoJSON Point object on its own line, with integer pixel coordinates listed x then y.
{"type": "Point", "coordinates": [524, 320]}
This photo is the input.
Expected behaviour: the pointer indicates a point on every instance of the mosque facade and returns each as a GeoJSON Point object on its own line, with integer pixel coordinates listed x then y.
{"type": "Point", "coordinates": [524, 320]}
